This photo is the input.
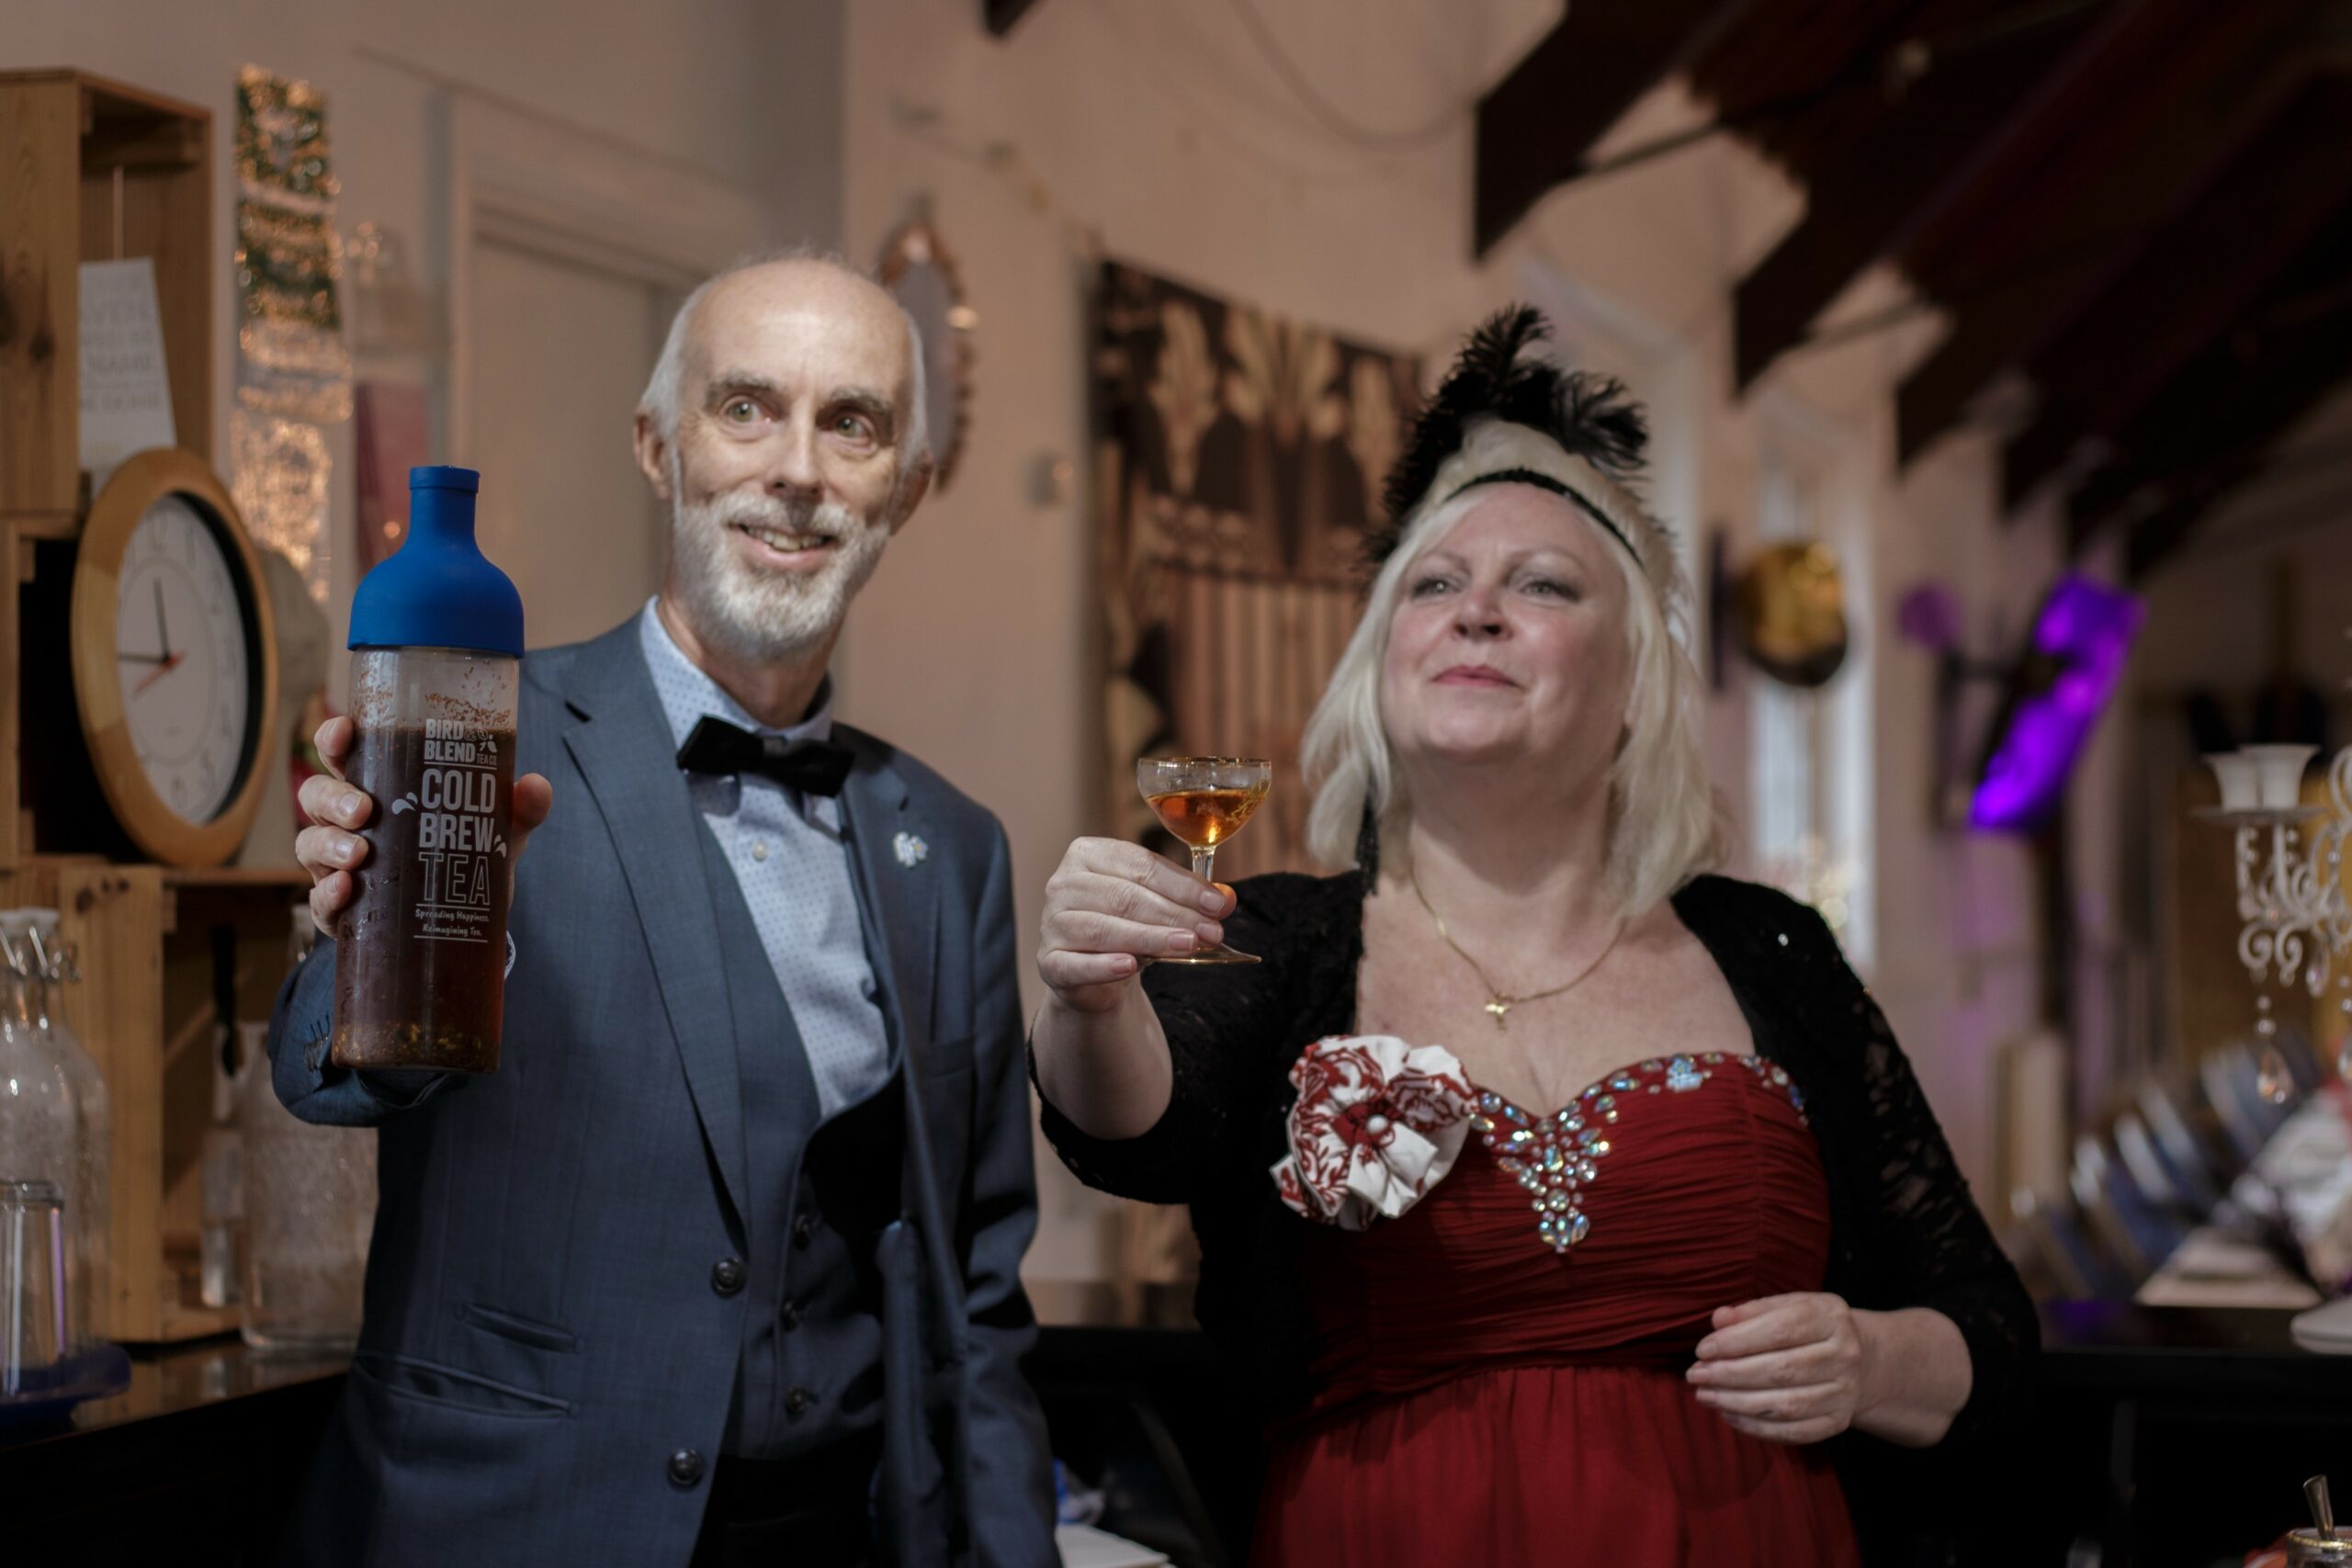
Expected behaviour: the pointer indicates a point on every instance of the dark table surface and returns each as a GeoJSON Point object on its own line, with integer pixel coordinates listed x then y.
{"type": "Point", "coordinates": [215, 1435]}
{"type": "Point", "coordinates": [2118, 1347]}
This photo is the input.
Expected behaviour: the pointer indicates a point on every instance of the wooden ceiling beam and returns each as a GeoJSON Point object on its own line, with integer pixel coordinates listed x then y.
{"type": "Point", "coordinates": [2192, 281]}
{"type": "Point", "coordinates": [1535, 127]}
{"type": "Point", "coordinates": [2140, 136]}
{"type": "Point", "coordinates": [2213, 425]}
{"type": "Point", "coordinates": [1930, 145]}
{"type": "Point", "coordinates": [1002, 16]}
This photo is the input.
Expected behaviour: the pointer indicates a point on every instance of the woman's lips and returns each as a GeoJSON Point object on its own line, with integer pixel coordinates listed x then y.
{"type": "Point", "coordinates": [1473, 675]}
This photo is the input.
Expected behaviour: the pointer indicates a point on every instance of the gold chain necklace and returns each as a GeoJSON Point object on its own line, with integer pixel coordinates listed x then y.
{"type": "Point", "coordinates": [1499, 1002]}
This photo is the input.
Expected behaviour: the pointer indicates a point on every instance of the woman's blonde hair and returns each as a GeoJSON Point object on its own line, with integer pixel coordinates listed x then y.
{"type": "Point", "coordinates": [1665, 823]}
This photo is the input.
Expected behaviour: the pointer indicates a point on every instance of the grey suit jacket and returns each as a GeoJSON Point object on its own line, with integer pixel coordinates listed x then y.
{"type": "Point", "coordinates": [542, 1331]}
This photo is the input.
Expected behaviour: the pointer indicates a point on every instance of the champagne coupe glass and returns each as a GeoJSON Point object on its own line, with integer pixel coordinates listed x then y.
{"type": "Point", "coordinates": [1204, 801]}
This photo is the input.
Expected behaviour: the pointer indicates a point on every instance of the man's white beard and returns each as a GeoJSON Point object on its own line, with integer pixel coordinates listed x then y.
{"type": "Point", "coordinates": [766, 615]}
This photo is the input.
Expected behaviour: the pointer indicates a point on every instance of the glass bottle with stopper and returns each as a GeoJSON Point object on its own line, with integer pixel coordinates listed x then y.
{"type": "Point", "coordinates": [436, 639]}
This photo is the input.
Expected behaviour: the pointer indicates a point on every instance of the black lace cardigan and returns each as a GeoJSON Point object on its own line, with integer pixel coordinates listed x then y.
{"type": "Point", "coordinates": [1904, 1230]}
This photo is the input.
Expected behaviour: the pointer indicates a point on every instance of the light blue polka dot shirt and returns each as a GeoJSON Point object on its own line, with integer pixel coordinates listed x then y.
{"type": "Point", "coordinates": [791, 862]}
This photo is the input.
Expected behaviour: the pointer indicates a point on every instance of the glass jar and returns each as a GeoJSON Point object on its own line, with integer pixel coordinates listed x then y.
{"type": "Point", "coordinates": [39, 1124]}
{"type": "Point", "coordinates": [2309, 1548]}
{"type": "Point", "coordinates": [310, 1202]}
{"type": "Point", "coordinates": [52, 968]}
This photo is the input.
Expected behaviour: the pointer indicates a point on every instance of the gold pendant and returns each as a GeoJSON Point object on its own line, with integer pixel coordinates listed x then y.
{"type": "Point", "coordinates": [1498, 1006]}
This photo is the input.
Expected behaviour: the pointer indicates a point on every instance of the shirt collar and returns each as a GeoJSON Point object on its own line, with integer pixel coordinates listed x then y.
{"type": "Point", "coordinates": [688, 693]}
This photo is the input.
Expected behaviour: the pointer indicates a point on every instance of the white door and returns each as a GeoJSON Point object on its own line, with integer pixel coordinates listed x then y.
{"type": "Point", "coordinates": [560, 352]}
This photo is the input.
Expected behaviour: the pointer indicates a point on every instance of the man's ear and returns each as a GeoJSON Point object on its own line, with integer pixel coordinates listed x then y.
{"type": "Point", "coordinates": [911, 492]}
{"type": "Point", "coordinates": [653, 455]}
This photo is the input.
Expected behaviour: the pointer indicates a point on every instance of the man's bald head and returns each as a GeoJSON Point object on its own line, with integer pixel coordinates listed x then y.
{"type": "Point", "coordinates": [796, 279]}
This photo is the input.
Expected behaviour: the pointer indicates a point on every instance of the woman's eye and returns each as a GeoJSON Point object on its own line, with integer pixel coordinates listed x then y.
{"type": "Point", "coordinates": [1545, 585]}
{"type": "Point", "coordinates": [1428, 587]}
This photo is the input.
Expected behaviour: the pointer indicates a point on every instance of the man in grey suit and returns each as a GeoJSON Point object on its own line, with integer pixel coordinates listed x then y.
{"type": "Point", "coordinates": [722, 1265]}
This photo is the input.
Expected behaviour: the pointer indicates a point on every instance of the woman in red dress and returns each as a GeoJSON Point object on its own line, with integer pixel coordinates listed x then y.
{"type": "Point", "coordinates": [1564, 1200]}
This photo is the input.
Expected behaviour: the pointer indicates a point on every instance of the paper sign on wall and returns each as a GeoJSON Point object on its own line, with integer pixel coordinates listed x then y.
{"type": "Point", "coordinates": [126, 396]}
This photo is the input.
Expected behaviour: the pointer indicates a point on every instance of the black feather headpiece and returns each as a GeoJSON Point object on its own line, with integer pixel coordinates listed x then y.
{"type": "Point", "coordinates": [1587, 415]}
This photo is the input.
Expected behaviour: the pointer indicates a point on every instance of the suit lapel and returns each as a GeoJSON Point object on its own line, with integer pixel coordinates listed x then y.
{"type": "Point", "coordinates": [620, 740]}
{"type": "Point", "coordinates": [897, 888]}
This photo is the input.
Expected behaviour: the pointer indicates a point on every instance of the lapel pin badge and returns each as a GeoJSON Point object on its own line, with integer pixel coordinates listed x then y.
{"type": "Point", "coordinates": [911, 850]}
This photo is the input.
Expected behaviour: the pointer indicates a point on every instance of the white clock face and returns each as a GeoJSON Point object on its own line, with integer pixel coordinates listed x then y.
{"type": "Point", "coordinates": [180, 650]}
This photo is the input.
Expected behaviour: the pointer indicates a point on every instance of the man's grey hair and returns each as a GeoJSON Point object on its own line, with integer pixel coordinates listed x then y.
{"type": "Point", "coordinates": [660, 402]}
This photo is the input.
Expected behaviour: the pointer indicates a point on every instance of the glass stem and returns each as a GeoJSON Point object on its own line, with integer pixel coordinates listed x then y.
{"type": "Point", "coordinates": [1203, 863]}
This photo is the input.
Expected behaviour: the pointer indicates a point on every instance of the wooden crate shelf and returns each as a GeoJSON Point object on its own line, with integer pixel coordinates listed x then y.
{"type": "Point", "coordinates": [144, 1008]}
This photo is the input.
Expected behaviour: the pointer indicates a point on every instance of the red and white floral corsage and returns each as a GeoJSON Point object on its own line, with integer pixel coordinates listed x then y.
{"type": "Point", "coordinates": [1378, 1123]}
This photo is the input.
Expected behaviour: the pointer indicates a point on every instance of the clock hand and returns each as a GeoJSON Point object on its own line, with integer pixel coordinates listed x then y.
{"type": "Point", "coordinates": [162, 628]}
{"type": "Point", "coordinates": [144, 658]}
{"type": "Point", "coordinates": [165, 668]}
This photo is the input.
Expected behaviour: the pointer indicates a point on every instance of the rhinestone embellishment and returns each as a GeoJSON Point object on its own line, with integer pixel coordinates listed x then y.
{"type": "Point", "coordinates": [1555, 1157]}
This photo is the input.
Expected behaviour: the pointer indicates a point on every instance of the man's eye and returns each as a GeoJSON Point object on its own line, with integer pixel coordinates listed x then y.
{"type": "Point", "coordinates": [742, 411]}
{"type": "Point", "coordinates": [853, 426]}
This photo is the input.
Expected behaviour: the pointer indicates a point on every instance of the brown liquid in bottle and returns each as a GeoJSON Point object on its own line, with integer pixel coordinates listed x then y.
{"type": "Point", "coordinates": [421, 952]}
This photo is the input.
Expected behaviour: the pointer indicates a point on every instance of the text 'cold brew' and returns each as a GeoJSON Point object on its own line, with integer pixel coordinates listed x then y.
{"type": "Point", "coordinates": [437, 640]}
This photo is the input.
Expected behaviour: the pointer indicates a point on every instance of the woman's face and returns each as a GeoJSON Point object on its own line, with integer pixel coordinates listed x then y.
{"type": "Point", "coordinates": [1508, 641]}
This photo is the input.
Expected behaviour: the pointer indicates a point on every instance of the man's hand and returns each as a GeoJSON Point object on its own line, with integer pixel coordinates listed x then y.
{"type": "Point", "coordinates": [331, 848]}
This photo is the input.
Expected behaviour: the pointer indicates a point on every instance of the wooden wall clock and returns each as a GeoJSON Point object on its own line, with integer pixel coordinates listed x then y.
{"type": "Point", "coordinates": [175, 657]}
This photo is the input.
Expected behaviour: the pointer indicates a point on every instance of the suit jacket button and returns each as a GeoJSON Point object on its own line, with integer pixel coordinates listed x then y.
{"type": "Point", "coordinates": [803, 1227]}
{"type": "Point", "coordinates": [727, 1276]}
{"type": "Point", "coordinates": [797, 1402]}
{"type": "Point", "coordinates": [685, 1468]}
{"type": "Point", "coordinates": [790, 1316]}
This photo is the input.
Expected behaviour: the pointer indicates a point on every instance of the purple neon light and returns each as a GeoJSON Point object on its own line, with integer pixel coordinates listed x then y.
{"type": "Point", "coordinates": [2089, 627]}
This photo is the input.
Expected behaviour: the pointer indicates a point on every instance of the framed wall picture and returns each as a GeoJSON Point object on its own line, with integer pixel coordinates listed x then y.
{"type": "Point", "coordinates": [917, 269]}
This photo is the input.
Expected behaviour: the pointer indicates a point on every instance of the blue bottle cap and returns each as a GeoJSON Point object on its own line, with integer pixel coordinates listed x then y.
{"type": "Point", "coordinates": [438, 590]}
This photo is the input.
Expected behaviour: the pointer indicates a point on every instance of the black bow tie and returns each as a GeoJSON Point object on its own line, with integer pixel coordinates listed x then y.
{"type": "Point", "coordinates": [813, 767]}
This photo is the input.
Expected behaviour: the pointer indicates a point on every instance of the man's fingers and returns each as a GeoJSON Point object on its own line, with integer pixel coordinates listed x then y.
{"type": "Point", "coordinates": [333, 740]}
{"type": "Point", "coordinates": [326, 851]}
{"type": "Point", "coordinates": [329, 896]}
{"type": "Point", "coordinates": [333, 801]}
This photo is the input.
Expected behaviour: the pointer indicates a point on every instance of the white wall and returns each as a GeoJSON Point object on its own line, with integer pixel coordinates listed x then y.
{"type": "Point", "coordinates": [1159, 136]}
{"type": "Point", "coordinates": [738, 98]}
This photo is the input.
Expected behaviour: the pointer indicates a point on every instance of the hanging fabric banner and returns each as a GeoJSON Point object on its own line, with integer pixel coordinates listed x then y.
{"type": "Point", "coordinates": [1239, 461]}
{"type": "Point", "coordinates": [293, 371]}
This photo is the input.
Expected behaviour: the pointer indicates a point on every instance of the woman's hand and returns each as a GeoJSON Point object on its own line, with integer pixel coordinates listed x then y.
{"type": "Point", "coordinates": [1795, 1368]}
{"type": "Point", "coordinates": [1803, 1368]}
{"type": "Point", "coordinates": [1110, 906]}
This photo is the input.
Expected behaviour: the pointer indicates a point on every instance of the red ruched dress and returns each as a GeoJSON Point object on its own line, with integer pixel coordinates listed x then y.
{"type": "Point", "coordinates": [1499, 1372]}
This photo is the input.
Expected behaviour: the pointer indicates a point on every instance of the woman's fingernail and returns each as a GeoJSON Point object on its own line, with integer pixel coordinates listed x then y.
{"type": "Point", "coordinates": [1209, 931]}
{"type": "Point", "coordinates": [1124, 965]}
{"type": "Point", "coordinates": [1181, 943]}
{"type": "Point", "coordinates": [1213, 901]}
